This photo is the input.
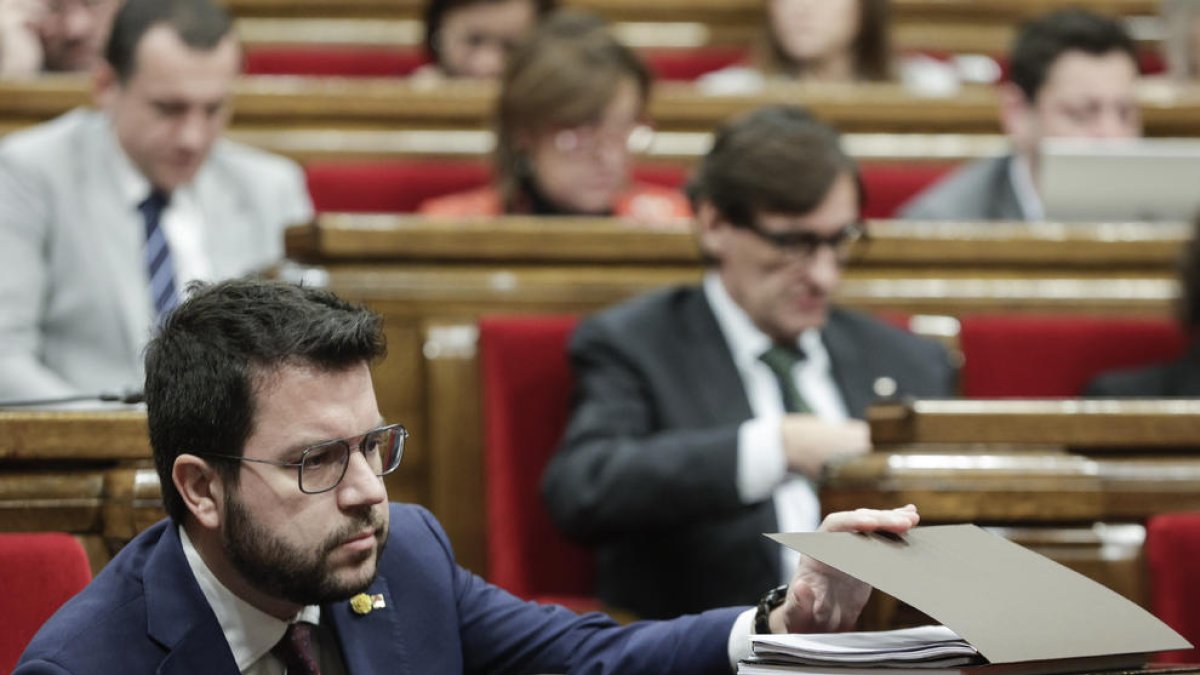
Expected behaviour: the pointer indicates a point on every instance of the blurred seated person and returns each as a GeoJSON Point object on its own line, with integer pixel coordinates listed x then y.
{"type": "Point", "coordinates": [841, 41]}
{"type": "Point", "coordinates": [474, 38]}
{"type": "Point", "coordinates": [1181, 19]}
{"type": "Point", "coordinates": [38, 36]}
{"type": "Point", "coordinates": [1074, 75]}
{"type": "Point", "coordinates": [817, 41]}
{"type": "Point", "coordinates": [571, 111]}
{"type": "Point", "coordinates": [1179, 378]}
{"type": "Point", "coordinates": [106, 213]}
{"type": "Point", "coordinates": [704, 413]}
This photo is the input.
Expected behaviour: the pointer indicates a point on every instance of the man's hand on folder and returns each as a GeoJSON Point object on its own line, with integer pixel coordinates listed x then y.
{"type": "Point", "coordinates": [822, 599]}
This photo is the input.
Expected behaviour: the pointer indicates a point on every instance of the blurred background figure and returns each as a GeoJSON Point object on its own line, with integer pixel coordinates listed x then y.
{"type": "Point", "coordinates": [474, 38]}
{"type": "Point", "coordinates": [815, 40]}
{"type": "Point", "coordinates": [1074, 75]}
{"type": "Point", "coordinates": [571, 113]}
{"type": "Point", "coordinates": [1181, 19]}
{"type": "Point", "coordinates": [1180, 378]}
{"type": "Point", "coordinates": [52, 35]}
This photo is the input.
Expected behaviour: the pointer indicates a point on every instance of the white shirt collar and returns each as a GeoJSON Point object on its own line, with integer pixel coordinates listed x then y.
{"type": "Point", "coordinates": [250, 632]}
{"type": "Point", "coordinates": [1021, 177]}
{"type": "Point", "coordinates": [745, 339]}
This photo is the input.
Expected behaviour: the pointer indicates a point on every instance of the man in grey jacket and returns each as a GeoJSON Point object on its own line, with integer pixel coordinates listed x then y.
{"type": "Point", "coordinates": [105, 215]}
{"type": "Point", "coordinates": [1073, 76]}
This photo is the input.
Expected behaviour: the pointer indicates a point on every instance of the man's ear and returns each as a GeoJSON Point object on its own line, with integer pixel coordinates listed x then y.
{"type": "Point", "coordinates": [1017, 118]}
{"type": "Point", "coordinates": [712, 230]}
{"type": "Point", "coordinates": [201, 488]}
{"type": "Point", "coordinates": [105, 84]}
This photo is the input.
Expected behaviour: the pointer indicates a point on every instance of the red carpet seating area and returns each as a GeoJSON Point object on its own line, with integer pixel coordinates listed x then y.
{"type": "Point", "coordinates": [399, 186]}
{"type": "Point", "coordinates": [39, 571]}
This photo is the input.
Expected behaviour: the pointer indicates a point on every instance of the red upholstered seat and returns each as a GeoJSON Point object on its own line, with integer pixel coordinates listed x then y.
{"type": "Point", "coordinates": [1056, 356]}
{"type": "Point", "coordinates": [333, 60]}
{"type": "Point", "coordinates": [388, 186]}
{"type": "Point", "coordinates": [526, 382]}
{"type": "Point", "coordinates": [1172, 553]}
{"type": "Point", "coordinates": [399, 186]}
{"type": "Point", "coordinates": [689, 64]}
{"type": "Point", "coordinates": [890, 184]}
{"type": "Point", "coordinates": [38, 573]}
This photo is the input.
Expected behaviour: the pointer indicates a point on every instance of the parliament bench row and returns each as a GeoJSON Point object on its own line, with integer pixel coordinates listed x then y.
{"type": "Point", "coordinates": [974, 24]}
{"type": "Point", "coordinates": [274, 104]}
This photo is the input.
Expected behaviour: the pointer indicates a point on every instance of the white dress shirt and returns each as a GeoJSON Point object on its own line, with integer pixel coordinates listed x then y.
{"type": "Point", "coordinates": [182, 221]}
{"type": "Point", "coordinates": [250, 632]}
{"type": "Point", "coordinates": [762, 466]}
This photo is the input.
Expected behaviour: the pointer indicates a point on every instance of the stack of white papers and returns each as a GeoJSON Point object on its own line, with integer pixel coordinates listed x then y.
{"type": "Point", "coordinates": [924, 647]}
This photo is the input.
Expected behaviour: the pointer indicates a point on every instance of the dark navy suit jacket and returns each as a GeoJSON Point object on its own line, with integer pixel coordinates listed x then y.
{"type": "Point", "coordinates": [145, 613]}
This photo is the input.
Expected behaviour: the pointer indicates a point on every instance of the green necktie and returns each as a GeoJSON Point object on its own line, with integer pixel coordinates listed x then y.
{"type": "Point", "coordinates": [781, 359]}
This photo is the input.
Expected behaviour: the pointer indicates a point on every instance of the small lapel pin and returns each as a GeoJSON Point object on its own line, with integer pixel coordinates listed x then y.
{"type": "Point", "coordinates": [365, 604]}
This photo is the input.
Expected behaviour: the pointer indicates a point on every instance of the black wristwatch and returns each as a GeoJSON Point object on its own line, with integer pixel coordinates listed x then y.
{"type": "Point", "coordinates": [768, 602]}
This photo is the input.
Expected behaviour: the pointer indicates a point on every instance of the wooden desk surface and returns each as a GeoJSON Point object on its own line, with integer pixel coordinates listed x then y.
{"type": "Point", "coordinates": [273, 103]}
{"type": "Point", "coordinates": [1108, 248]}
{"type": "Point", "coordinates": [1085, 425]}
{"type": "Point", "coordinates": [1004, 487]}
{"type": "Point", "coordinates": [39, 435]}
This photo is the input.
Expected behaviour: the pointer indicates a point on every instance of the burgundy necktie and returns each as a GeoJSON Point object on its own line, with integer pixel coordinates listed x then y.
{"type": "Point", "coordinates": [296, 649]}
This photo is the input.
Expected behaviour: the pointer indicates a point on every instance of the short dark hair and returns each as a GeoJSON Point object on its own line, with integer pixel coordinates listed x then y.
{"type": "Point", "coordinates": [1041, 41]}
{"type": "Point", "coordinates": [436, 11]}
{"type": "Point", "coordinates": [204, 367]}
{"type": "Point", "coordinates": [200, 24]}
{"type": "Point", "coordinates": [777, 159]}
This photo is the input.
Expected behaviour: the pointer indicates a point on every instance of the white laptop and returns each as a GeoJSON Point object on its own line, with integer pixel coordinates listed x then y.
{"type": "Point", "coordinates": [1143, 180]}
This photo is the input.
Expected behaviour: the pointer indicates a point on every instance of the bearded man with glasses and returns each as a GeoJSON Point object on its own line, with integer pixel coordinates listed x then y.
{"type": "Point", "coordinates": [282, 555]}
{"type": "Point", "coordinates": [703, 414]}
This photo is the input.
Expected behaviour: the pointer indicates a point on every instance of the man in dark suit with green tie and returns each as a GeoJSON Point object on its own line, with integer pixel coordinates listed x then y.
{"type": "Point", "coordinates": [704, 413]}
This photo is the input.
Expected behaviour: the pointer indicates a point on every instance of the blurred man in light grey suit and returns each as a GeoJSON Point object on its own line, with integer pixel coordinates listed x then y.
{"type": "Point", "coordinates": [98, 207]}
{"type": "Point", "coordinates": [1074, 75]}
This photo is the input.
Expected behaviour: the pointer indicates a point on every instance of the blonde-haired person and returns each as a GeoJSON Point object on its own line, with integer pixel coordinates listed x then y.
{"type": "Point", "coordinates": [571, 112]}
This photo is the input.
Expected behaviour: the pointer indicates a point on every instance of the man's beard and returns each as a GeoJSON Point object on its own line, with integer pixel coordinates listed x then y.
{"type": "Point", "coordinates": [300, 576]}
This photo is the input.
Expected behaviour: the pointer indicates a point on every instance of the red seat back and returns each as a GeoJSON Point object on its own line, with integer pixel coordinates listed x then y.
{"type": "Point", "coordinates": [399, 186]}
{"type": "Point", "coordinates": [689, 64]}
{"type": "Point", "coordinates": [526, 390]}
{"type": "Point", "coordinates": [890, 184]}
{"type": "Point", "coordinates": [388, 186]}
{"type": "Point", "coordinates": [1172, 555]}
{"type": "Point", "coordinates": [38, 573]}
{"type": "Point", "coordinates": [333, 60]}
{"type": "Point", "coordinates": [1056, 356]}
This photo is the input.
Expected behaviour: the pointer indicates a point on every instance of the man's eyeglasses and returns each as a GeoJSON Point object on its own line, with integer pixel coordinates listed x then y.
{"type": "Point", "coordinates": [322, 466]}
{"type": "Point", "coordinates": [804, 243]}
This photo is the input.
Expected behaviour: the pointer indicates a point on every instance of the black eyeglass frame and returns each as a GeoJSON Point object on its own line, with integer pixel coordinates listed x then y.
{"type": "Point", "coordinates": [805, 243]}
{"type": "Point", "coordinates": [402, 436]}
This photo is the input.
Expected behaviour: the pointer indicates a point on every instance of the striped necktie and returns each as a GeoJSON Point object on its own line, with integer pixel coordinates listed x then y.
{"type": "Point", "coordinates": [157, 254]}
{"type": "Point", "coordinates": [782, 360]}
{"type": "Point", "coordinates": [295, 649]}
